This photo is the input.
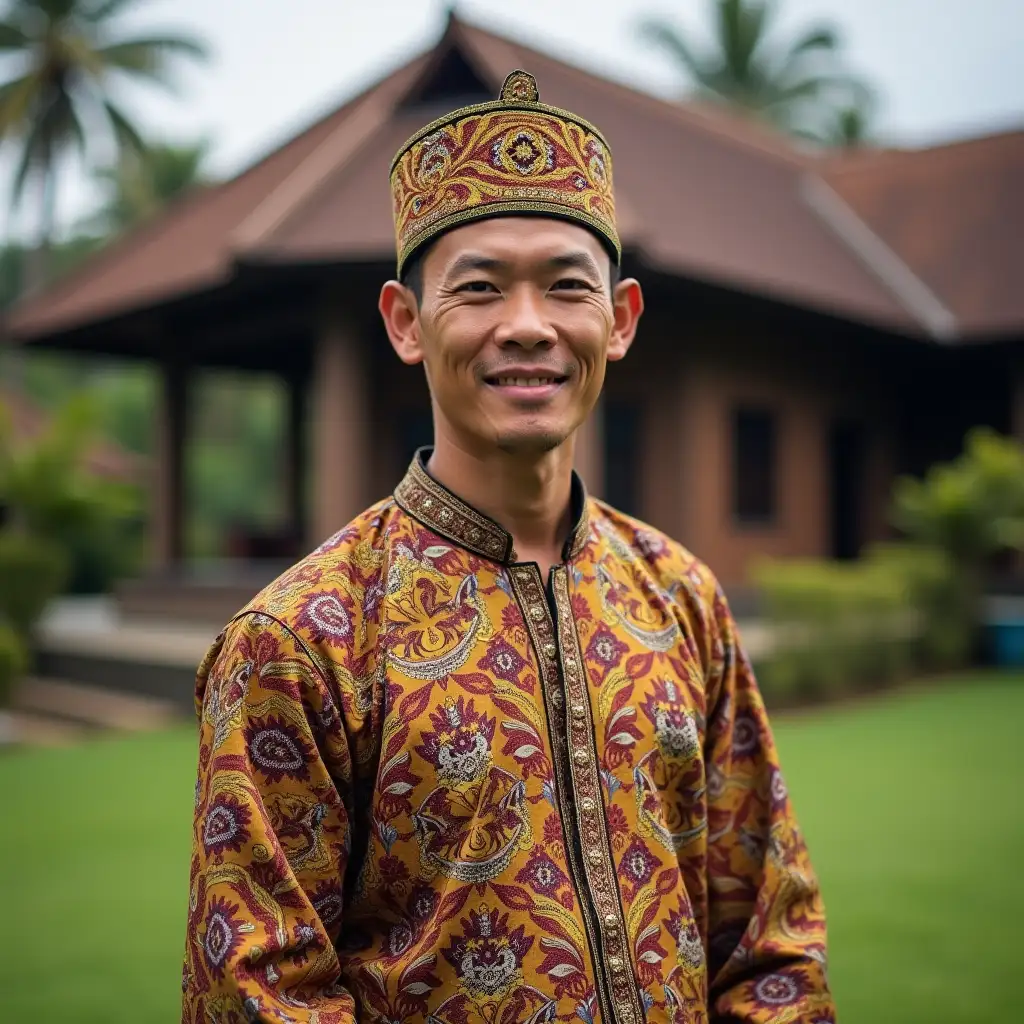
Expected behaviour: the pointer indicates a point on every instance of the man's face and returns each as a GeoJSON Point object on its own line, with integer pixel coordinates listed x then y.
{"type": "Point", "coordinates": [515, 326]}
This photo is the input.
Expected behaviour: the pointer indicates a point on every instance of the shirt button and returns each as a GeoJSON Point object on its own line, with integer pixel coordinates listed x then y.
{"type": "Point", "coordinates": [615, 963]}
{"type": "Point", "coordinates": [550, 650]}
{"type": "Point", "coordinates": [594, 856]}
{"type": "Point", "coordinates": [579, 711]}
{"type": "Point", "coordinates": [611, 922]}
{"type": "Point", "coordinates": [536, 613]}
{"type": "Point", "coordinates": [570, 663]}
{"type": "Point", "coordinates": [587, 804]}
{"type": "Point", "coordinates": [581, 756]}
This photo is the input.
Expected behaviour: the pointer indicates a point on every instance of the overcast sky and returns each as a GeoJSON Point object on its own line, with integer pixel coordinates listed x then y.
{"type": "Point", "coordinates": [945, 68]}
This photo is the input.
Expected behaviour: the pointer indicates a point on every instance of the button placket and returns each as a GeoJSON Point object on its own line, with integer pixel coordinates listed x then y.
{"type": "Point", "coordinates": [586, 783]}
{"type": "Point", "coordinates": [529, 593]}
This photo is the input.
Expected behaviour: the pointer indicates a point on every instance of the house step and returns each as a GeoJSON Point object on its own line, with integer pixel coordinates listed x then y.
{"type": "Point", "coordinates": [92, 707]}
{"type": "Point", "coordinates": [29, 729]}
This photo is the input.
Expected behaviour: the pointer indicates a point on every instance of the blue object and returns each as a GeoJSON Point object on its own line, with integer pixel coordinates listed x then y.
{"type": "Point", "coordinates": [1006, 642]}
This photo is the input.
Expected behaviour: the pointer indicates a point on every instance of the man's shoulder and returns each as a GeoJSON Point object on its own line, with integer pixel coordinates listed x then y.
{"type": "Point", "coordinates": [675, 569]}
{"type": "Point", "coordinates": [322, 595]}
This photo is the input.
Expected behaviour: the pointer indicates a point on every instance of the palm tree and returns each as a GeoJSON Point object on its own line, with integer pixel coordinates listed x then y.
{"type": "Point", "coordinates": [143, 181]}
{"type": "Point", "coordinates": [799, 86]}
{"type": "Point", "coordinates": [71, 59]}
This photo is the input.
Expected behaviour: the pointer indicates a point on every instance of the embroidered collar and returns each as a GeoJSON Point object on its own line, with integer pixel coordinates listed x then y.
{"type": "Point", "coordinates": [422, 497]}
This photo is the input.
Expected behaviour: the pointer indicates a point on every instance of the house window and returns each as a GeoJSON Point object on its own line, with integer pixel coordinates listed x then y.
{"type": "Point", "coordinates": [754, 458]}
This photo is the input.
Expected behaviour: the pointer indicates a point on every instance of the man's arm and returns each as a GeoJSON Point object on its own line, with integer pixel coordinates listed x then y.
{"type": "Point", "coordinates": [271, 836]}
{"type": "Point", "coordinates": [767, 923]}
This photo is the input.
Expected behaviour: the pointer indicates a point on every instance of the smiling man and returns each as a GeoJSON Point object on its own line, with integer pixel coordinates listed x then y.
{"type": "Point", "coordinates": [492, 753]}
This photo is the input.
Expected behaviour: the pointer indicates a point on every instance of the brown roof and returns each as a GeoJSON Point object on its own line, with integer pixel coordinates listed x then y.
{"type": "Point", "coordinates": [700, 194]}
{"type": "Point", "coordinates": [955, 215]}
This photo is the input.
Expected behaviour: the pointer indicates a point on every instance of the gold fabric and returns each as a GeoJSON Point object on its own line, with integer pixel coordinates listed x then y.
{"type": "Point", "coordinates": [433, 789]}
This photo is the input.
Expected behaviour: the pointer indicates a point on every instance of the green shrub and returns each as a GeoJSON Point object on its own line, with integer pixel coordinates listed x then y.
{"type": "Point", "coordinates": [32, 571]}
{"type": "Point", "coordinates": [931, 585]}
{"type": "Point", "coordinates": [837, 627]}
{"type": "Point", "coordinates": [13, 661]}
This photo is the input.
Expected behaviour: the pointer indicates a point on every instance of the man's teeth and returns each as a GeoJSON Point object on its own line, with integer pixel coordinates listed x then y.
{"type": "Point", "coordinates": [525, 382]}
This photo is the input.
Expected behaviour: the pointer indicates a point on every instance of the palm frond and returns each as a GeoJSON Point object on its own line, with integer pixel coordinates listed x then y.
{"type": "Point", "coordinates": [660, 33]}
{"type": "Point", "coordinates": [823, 38]}
{"type": "Point", "coordinates": [103, 10]}
{"type": "Point", "coordinates": [16, 100]}
{"type": "Point", "coordinates": [31, 156]}
{"type": "Point", "coordinates": [12, 36]}
{"type": "Point", "coordinates": [149, 55]}
{"type": "Point", "coordinates": [127, 135]}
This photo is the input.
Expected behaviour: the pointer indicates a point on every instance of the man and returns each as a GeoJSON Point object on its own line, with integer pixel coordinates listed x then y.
{"type": "Point", "coordinates": [492, 753]}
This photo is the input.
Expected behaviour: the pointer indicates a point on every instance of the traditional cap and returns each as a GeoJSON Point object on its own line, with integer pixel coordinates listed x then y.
{"type": "Point", "coordinates": [514, 155]}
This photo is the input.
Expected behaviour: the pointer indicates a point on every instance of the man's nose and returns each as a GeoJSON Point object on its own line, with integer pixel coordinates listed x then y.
{"type": "Point", "coordinates": [524, 321]}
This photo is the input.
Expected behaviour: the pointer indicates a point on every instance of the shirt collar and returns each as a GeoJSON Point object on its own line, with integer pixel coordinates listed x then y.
{"type": "Point", "coordinates": [437, 508]}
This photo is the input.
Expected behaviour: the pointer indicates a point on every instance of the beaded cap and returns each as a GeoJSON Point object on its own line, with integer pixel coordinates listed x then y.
{"type": "Point", "coordinates": [513, 155]}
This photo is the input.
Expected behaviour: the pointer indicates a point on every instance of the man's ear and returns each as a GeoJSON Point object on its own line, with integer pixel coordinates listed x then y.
{"type": "Point", "coordinates": [627, 308]}
{"type": "Point", "coordinates": [400, 312]}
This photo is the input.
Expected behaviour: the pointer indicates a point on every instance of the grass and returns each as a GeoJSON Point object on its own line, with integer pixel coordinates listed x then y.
{"type": "Point", "coordinates": [911, 804]}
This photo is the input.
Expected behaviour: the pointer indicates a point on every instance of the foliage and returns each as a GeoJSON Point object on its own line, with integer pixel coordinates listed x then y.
{"type": "Point", "coordinates": [47, 494]}
{"type": "Point", "coordinates": [64, 257]}
{"type": "Point", "coordinates": [32, 571]}
{"type": "Point", "coordinates": [971, 508]}
{"type": "Point", "coordinates": [799, 85]}
{"type": "Point", "coordinates": [13, 658]}
{"type": "Point", "coordinates": [836, 626]}
{"type": "Point", "coordinates": [71, 59]}
{"type": "Point", "coordinates": [143, 182]}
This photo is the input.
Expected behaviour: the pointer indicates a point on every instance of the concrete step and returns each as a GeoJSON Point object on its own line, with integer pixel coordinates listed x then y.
{"type": "Point", "coordinates": [92, 707]}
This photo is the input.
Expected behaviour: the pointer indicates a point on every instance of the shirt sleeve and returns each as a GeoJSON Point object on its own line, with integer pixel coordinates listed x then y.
{"type": "Point", "coordinates": [766, 929]}
{"type": "Point", "coordinates": [271, 836]}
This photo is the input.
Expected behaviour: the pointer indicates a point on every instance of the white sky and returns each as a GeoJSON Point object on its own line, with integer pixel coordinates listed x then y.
{"type": "Point", "coordinates": [945, 68]}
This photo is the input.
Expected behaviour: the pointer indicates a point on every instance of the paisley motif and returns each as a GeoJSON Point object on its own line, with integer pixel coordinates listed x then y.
{"type": "Point", "coordinates": [472, 833]}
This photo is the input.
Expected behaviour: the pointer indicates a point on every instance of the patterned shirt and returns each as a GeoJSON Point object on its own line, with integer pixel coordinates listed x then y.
{"type": "Point", "coordinates": [434, 788]}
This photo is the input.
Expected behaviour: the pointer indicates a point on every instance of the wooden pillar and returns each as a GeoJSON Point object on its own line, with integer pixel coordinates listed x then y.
{"type": "Point", "coordinates": [341, 429]}
{"type": "Point", "coordinates": [167, 495]}
{"type": "Point", "coordinates": [296, 461]}
{"type": "Point", "coordinates": [589, 453]}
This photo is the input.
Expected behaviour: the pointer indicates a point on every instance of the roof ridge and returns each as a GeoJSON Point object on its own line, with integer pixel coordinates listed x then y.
{"type": "Point", "coordinates": [901, 280]}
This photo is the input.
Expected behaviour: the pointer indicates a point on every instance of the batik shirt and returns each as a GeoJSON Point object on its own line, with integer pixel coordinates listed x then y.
{"type": "Point", "coordinates": [435, 786]}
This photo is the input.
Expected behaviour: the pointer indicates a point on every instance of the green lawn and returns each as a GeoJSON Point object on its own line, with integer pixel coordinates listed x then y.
{"type": "Point", "coordinates": [911, 803]}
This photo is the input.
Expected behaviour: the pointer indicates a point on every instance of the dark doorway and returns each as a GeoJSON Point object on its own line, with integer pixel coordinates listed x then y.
{"type": "Point", "coordinates": [622, 455]}
{"type": "Point", "coordinates": [846, 450]}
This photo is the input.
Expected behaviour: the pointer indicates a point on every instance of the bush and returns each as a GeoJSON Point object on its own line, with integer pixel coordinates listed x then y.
{"type": "Point", "coordinates": [13, 662]}
{"type": "Point", "coordinates": [841, 627]}
{"type": "Point", "coordinates": [32, 571]}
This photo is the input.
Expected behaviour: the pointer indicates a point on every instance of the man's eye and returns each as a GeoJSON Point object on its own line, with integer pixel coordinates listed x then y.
{"type": "Point", "coordinates": [573, 284]}
{"type": "Point", "coordinates": [478, 287]}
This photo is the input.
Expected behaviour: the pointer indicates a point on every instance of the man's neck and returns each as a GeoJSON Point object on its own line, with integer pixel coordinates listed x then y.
{"type": "Point", "coordinates": [530, 495]}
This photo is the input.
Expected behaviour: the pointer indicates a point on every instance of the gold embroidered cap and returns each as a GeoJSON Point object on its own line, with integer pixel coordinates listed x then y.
{"type": "Point", "coordinates": [514, 155]}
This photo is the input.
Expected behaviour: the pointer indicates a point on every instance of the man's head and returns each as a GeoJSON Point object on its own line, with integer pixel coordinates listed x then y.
{"type": "Point", "coordinates": [508, 254]}
{"type": "Point", "coordinates": [514, 319]}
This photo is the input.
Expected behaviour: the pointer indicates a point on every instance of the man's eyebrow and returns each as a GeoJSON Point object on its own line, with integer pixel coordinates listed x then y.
{"type": "Point", "coordinates": [468, 262]}
{"type": "Point", "coordinates": [579, 260]}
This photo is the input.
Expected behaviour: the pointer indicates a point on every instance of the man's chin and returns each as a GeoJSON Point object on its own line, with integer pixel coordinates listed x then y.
{"type": "Point", "coordinates": [530, 442]}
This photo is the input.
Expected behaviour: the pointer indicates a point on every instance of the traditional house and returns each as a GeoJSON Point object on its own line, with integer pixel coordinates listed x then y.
{"type": "Point", "coordinates": [816, 323]}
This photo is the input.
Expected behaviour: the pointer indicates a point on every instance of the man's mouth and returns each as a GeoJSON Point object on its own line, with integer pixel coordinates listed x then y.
{"type": "Point", "coordinates": [525, 382]}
